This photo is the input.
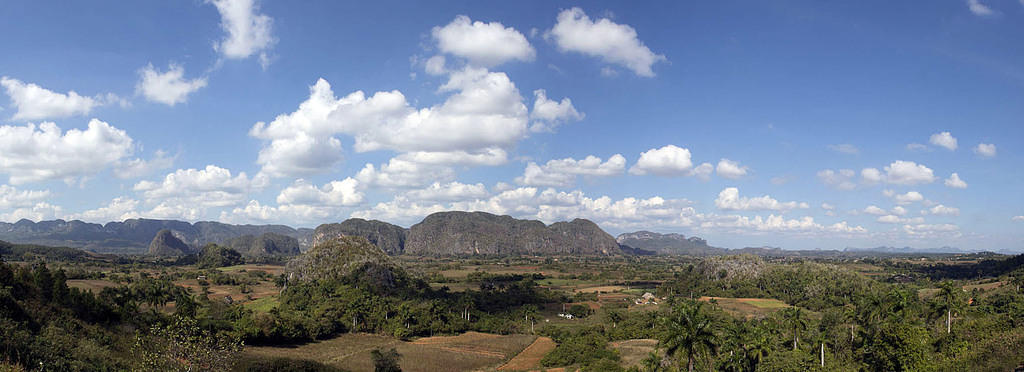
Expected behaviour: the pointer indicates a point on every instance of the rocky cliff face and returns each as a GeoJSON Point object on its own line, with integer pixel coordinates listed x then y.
{"type": "Point", "coordinates": [479, 233]}
{"type": "Point", "coordinates": [166, 244]}
{"type": "Point", "coordinates": [389, 238]}
{"type": "Point", "coordinates": [336, 258]}
{"type": "Point", "coordinates": [266, 244]}
{"type": "Point", "coordinates": [668, 243]}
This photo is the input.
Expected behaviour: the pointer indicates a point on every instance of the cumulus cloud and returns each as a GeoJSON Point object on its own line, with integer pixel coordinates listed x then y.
{"type": "Point", "coordinates": [905, 198]}
{"type": "Point", "coordinates": [563, 172]}
{"type": "Point", "coordinates": [1018, 218]}
{"type": "Point", "coordinates": [943, 139]}
{"type": "Point", "coordinates": [987, 150]}
{"type": "Point", "coordinates": [874, 210]}
{"type": "Point", "coordinates": [669, 160]}
{"type": "Point", "coordinates": [12, 198]}
{"type": "Point", "coordinates": [482, 44]}
{"type": "Point", "coordinates": [979, 9]}
{"type": "Point", "coordinates": [916, 147]}
{"type": "Point", "coordinates": [899, 172]}
{"type": "Point", "coordinates": [247, 32]}
{"type": "Point", "coordinates": [611, 42]}
{"type": "Point", "coordinates": [400, 173]}
{"type": "Point", "coordinates": [484, 113]}
{"type": "Point", "coordinates": [730, 199]}
{"type": "Point", "coordinates": [841, 179]}
{"type": "Point", "coordinates": [942, 210]}
{"type": "Point", "coordinates": [118, 209]}
{"type": "Point", "coordinates": [955, 182]}
{"type": "Point", "coordinates": [37, 212]}
{"type": "Point", "coordinates": [334, 193]}
{"type": "Point", "coordinates": [452, 191]}
{"type": "Point", "coordinates": [730, 169]}
{"type": "Point", "coordinates": [254, 212]}
{"type": "Point", "coordinates": [844, 148]}
{"type": "Point", "coordinates": [34, 153]}
{"type": "Point", "coordinates": [932, 230]}
{"type": "Point", "coordinates": [169, 87]}
{"type": "Point", "coordinates": [34, 102]}
{"type": "Point", "coordinates": [549, 114]}
{"type": "Point", "coordinates": [193, 189]}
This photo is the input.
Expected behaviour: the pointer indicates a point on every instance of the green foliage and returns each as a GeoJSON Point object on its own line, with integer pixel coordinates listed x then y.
{"type": "Point", "coordinates": [688, 331]}
{"type": "Point", "coordinates": [182, 345]}
{"type": "Point", "coordinates": [214, 256]}
{"type": "Point", "coordinates": [789, 361]}
{"type": "Point", "coordinates": [385, 360]}
{"type": "Point", "coordinates": [251, 364]}
{"type": "Point", "coordinates": [578, 348]}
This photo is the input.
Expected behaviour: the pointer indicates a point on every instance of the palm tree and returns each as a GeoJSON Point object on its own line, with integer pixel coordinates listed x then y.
{"type": "Point", "coordinates": [652, 363]}
{"type": "Point", "coordinates": [688, 330]}
{"type": "Point", "coordinates": [949, 300]}
{"type": "Point", "coordinates": [758, 345]}
{"type": "Point", "coordinates": [796, 321]}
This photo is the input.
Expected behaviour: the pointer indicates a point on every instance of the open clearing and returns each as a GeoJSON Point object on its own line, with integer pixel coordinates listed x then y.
{"type": "Point", "coordinates": [747, 307]}
{"type": "Point", "coordinates": [530, 358]}
{"type": "Point", "coordinates": [94, 285]}
{"type": "Point", "coordinates": [634, 351]}
{"type": "Point", "coordinates": [465, 352]}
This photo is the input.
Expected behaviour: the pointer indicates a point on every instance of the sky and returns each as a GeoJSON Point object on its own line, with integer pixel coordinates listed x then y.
{"type": "Point", "coordinates": [793, 124]}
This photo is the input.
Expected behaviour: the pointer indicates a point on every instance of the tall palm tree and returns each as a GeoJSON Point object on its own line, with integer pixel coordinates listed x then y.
{"type": "Point", "coordinates": [795, 321]}
{"type": "Point", "coordinates": [949, 300]}
{"type": "Point", "coordinates": [758, 345]}
{"type": "Point", "coordinates": [688, 330]}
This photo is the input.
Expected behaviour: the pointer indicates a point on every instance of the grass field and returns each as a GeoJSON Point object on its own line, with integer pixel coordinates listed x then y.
{"type": "Point", "coordinates": [634, 351]}
{"type": "Point", "coordinates": [529, 358]}
{"type": "Point", "coordinates": [94, 285]}
{"type": "Point", "coordinates": [465, 352]}
{"type": "Point", "coordinates": [748, 307]}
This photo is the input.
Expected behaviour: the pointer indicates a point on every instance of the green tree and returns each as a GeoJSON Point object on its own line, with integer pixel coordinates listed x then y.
{"type": "Point", "coordinates": [949, 300]}
{"type": "Point", "coordinates": [385, 361]}
{"type": "Point", "coordinates": [688, 330]}
{"type": "Point", "coordinates": [796, 322]}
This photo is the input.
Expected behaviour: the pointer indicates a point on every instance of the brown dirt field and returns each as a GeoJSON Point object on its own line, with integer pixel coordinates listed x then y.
{"type": "Point", "coordinates": [529, 358]}
{"type": "Point", "coordinates": [605, 288]}
{"type": "Point", "coordinates": [269, 269]}
{"type": "Point", "coordinates": [634, 351]}
{"type": "Point", "coordinates": [469, 351]}
{"type": "Point", "coordinates": [94, 285]}
{"type": "Point", "coordinates": [748, 307]}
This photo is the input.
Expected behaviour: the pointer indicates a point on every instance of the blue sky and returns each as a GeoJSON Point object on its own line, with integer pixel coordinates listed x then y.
{"type": "Point", "coordinates": [797, 124]}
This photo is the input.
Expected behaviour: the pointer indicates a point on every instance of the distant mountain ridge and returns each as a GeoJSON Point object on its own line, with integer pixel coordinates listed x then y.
{"type": "Point", "coordinates": [481, 233]}
{"type": "Point", "coordinates": [133, 236]}
{"type": "Point", "coordinates": [669, 244]}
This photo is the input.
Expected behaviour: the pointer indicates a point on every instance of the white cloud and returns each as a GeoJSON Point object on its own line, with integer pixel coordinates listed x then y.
{"type": "Point", "coordinates": [254, 212]}
{"type": "Point", "coordinates": [119, 209]}
{"type": "Point", "coordinates": [399, 173]}
{"type": "Point", "coordinates": [730, 169]}
{"type": "Point", "coordinates": [730, 199]}
{"type": "Point", "coordinates": [903, 172]}
{"type": "Point", "coordinates": [1018, 218]}
{"type": "Point", "coordinates": [943, 139]}
{"type": "Point", "coordinates": [11, 197]}
{"type": "Point", "coordinates": [139, 167]}
{"type": "Point", "coordinates": [874, 210]}
{"type": "Point", "coordinates": [828, 207]}
{"type": "Point", "coordinates": [170, 87]}
{"type": "Point", "coordinates": [33, 153]}
{"type": "Point", "coordinates": [979, 9]}
{"type": "Point", "coordinates": [841, 179]}
{"type": "Point", "coordinates": [193, 189]}
{"type": "Point", "coordinates": [37, 212]}
{"type": "Point", "coordinates": [451, 191]}
{"type": "Point", "coordinates": [34, 102]}
{"type": "Point", "coordinates": [905, 198]}
{"type": "Point", "coordinates": [247, 31]}
{"type": "Point", "coordinates": [487, 157]}
{"type": "Point", "coordinates": [483, 44]}
{"type": "Point", "coordinates": [917, 147]}
{"type": "Point", "coordinates": [703, 171]}
{"type": "Point", "coordinates": [937, 230]}
{"type": "Point", "coordinates": [563, 172]}
{"type": "Point", "coordinates": [669, 160]}
{"type": "Point", "coordinates": [485, 113]}
{"type": "Point", "coordinates": [871, 176]}
{"type": "Point", "coordinates": [334, 193]}
{"type": "Point", "coordinates": [893, 219]}
{"type": "Point", "coordinates": [942, 210]}
{"type": "Point", "coordinates": [955, 182]}
{"type": "Point", "coordinates": [435, 65]}
{"type": "Point", "coordinates": [899, 211]}
{"type": "Point", "coordinates": [613, 43]}
{"type": "Point", "coordinates": [987, 150]}
{"type": "Point", "coordinates": [845, 148]}
{"type": "Point", "coordinates": [548, 114]}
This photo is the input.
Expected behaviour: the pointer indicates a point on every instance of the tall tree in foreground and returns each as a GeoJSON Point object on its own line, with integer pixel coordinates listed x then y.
{"type": "Point", "coordinates": [949, 300]}
{"type": "Point", "coordinates": [688, 330]}
{"type": "Point", "coordinates": [796, 322]}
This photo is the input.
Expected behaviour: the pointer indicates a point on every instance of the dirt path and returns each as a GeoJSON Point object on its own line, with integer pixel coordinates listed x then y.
{"type": "Point", "coordinates": [530, 357]}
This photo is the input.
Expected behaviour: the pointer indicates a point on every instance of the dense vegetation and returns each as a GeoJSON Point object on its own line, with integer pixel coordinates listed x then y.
{"type": "Point", "coordinates": [935, 320]}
